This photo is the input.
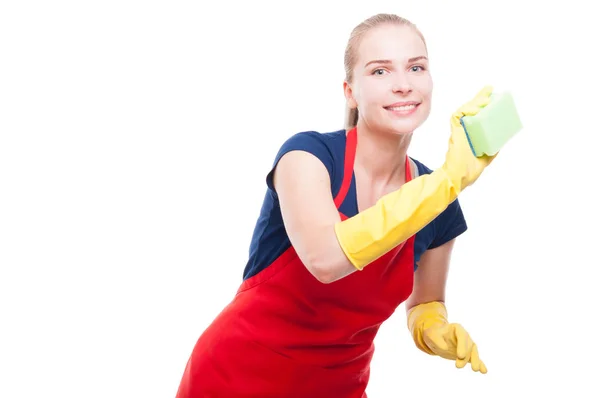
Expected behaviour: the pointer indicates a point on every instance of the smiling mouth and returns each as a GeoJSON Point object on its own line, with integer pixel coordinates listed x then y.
{"type": "Point", "coordinates": [401, 108]}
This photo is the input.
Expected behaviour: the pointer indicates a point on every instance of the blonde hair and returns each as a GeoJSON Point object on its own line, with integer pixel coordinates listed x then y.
{"type": "Point", "coordinates": [351, 53]}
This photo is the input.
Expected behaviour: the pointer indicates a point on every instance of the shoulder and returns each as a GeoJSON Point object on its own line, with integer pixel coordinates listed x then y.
{"type": "Point", "coordinates": [421, 168]}
{"type": "Point", "coordinates": [313, 141]}
{"type": "Point", "coordinates": [328, 147]}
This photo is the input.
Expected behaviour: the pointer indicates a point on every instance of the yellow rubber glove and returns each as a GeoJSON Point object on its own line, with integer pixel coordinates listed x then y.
{"type": "Point", "coordinates": [400, 214]}
{"type": "Point", "coordinates": [433, 334]}
{"type": "Point", "coordinates": [461, 165]}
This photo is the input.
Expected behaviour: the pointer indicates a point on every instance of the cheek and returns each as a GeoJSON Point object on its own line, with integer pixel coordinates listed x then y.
{"type": "Point", "coordinates": [424, 85]}
{"type": "Point", "coordinates": [374, 94]}
{"type": "Point", "coordinates": [366, 88]}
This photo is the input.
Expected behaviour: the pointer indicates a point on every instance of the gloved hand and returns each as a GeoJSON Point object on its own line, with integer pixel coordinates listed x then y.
{"type": "Point", "coordinates": [461, 165]}
{"type": "Point", "coordinates": [433, 334]}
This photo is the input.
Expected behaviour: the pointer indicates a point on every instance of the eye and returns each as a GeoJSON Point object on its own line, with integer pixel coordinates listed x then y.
{"type": "Point", "coordinates": [417, 68]}
{"type": "Point", "coordinates": [379, 71]}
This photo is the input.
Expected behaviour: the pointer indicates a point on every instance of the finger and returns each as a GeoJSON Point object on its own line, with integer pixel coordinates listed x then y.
{"type": "Point", "coordinates": [461, 363]}
{"type": "Point", "coordinates": [435, 340]}
{"type": "Point", "coordinates": [464, 346]}
{"type": "Point", "coordinates": [438, 341]}
{"type": "Point", "coordinates": [483, 368]}
{"type": "Point", "coordinates": [472, 108]}
{"type": "Point", "coordinates": [489, 158]}
{"type": "Point", "coordinates": [475, 360]}
{"type": "Point", "coordinates": [462, 342]}
{"type": "Point", "coordinates": [485, 92]}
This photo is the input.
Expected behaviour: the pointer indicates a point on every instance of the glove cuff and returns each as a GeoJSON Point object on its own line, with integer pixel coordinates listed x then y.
{"type": "Point", "coordinates": [395, 218]}
{"type": "Point", "coordinates": [423, 316]}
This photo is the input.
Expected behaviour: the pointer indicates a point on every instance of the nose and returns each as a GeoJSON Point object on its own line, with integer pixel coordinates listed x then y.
{"type": "Point", "coordinates": [402, 84]}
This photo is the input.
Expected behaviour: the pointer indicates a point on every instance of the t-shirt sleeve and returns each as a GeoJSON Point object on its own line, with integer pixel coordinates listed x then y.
{"type": "Point", "coordinates": [311, 142]}
{"type": "Point", "coordinates": [448, 225]}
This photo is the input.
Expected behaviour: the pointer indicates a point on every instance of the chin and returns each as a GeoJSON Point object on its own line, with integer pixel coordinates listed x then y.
{"type": "Point", "coordinates": [405, 124]}
{"type": "Point", "coordinates": [403, 127]}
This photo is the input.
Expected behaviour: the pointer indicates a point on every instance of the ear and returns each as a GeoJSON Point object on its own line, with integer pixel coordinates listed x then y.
{"type": "Point", "coordinates": [350, 101]}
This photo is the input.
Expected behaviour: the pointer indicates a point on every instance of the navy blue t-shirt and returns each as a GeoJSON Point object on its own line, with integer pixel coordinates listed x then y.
{"type": "Point", "coordinates": [270, 239]}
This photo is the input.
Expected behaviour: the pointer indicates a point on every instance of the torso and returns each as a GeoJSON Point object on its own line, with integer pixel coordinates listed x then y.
{"type": "Point", "coordinates": [270, 239]}
{"type": "Point", "coordinates": [285, 330]}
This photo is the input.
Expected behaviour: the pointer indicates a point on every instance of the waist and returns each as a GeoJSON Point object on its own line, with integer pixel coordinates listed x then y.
{"type": "Point", "coordinates": [313, 342]}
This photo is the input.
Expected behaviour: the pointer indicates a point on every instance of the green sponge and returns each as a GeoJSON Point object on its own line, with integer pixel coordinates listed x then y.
{"type": "Point", "coordinates": [493, 125]}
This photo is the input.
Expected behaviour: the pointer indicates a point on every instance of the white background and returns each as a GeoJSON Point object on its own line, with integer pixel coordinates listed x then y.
{"type": "Point", "coordinates": [136, 137]}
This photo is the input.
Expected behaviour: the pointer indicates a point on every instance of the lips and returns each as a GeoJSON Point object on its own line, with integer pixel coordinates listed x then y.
{"type": "Point", "coordinates": [402, 106]}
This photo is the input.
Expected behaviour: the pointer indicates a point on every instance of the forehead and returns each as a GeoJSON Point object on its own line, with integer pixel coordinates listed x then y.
{"type": "Point", "coordinates": [393, 42]}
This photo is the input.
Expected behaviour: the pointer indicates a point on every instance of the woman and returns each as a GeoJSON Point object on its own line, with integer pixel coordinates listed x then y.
{"type": "Point", "coordinates": [350, 228]}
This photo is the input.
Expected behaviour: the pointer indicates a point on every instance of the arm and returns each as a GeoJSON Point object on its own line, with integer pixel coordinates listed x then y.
{"type": "Point", "coordinates": [332, 249]}
{"type": "Point", "coordinates": [309, 214]}
{"type": "Point", "coordinates": [324, 243]}
{"type": "Point", "coordinates": [430, 276]}
{"type": "Point", "coordinates": [429, 293]}
{"type": "Point", "coordinates": [427, 317]}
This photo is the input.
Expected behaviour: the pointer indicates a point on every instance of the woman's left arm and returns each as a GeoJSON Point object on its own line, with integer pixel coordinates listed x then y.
{"type": "Point", "coordinates": [427, 316]}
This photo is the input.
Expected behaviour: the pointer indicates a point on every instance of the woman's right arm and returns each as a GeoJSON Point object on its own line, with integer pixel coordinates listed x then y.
{"type": "Point", "coordinates": [309, 214]}
{"type": "Point", "coordinates": [331, 248]}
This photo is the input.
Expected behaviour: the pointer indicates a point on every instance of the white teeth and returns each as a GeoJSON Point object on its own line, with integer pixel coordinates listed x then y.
{"type": "Point", "coordinates": [401, 108]}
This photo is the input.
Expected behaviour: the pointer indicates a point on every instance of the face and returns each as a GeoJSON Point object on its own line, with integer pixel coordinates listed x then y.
{"type": "Point", "coordinates": [391, 85]}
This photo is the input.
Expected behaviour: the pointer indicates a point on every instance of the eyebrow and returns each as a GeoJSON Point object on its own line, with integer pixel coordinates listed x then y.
{"type": "Point", "coordinates": [387, 61]}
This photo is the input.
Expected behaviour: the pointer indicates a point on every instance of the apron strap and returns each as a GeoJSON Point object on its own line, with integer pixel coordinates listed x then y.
{"type": "Point", "coordinates": [408, 175]}
{"type": "Point", "coordinates": [348, 167]}
{"type": "Point", "coordinates": [351, 141]}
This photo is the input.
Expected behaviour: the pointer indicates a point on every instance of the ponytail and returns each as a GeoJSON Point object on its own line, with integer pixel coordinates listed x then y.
{"type": "Point", "coordinates": [351, 118]}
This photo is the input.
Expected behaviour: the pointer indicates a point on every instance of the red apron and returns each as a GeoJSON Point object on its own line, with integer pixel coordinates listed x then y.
{"type": "Point", "coordinates": [287, 335]}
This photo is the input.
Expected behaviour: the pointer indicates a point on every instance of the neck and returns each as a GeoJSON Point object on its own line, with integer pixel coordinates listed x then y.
{"type": "Point", "coordinates": [381, 155]}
